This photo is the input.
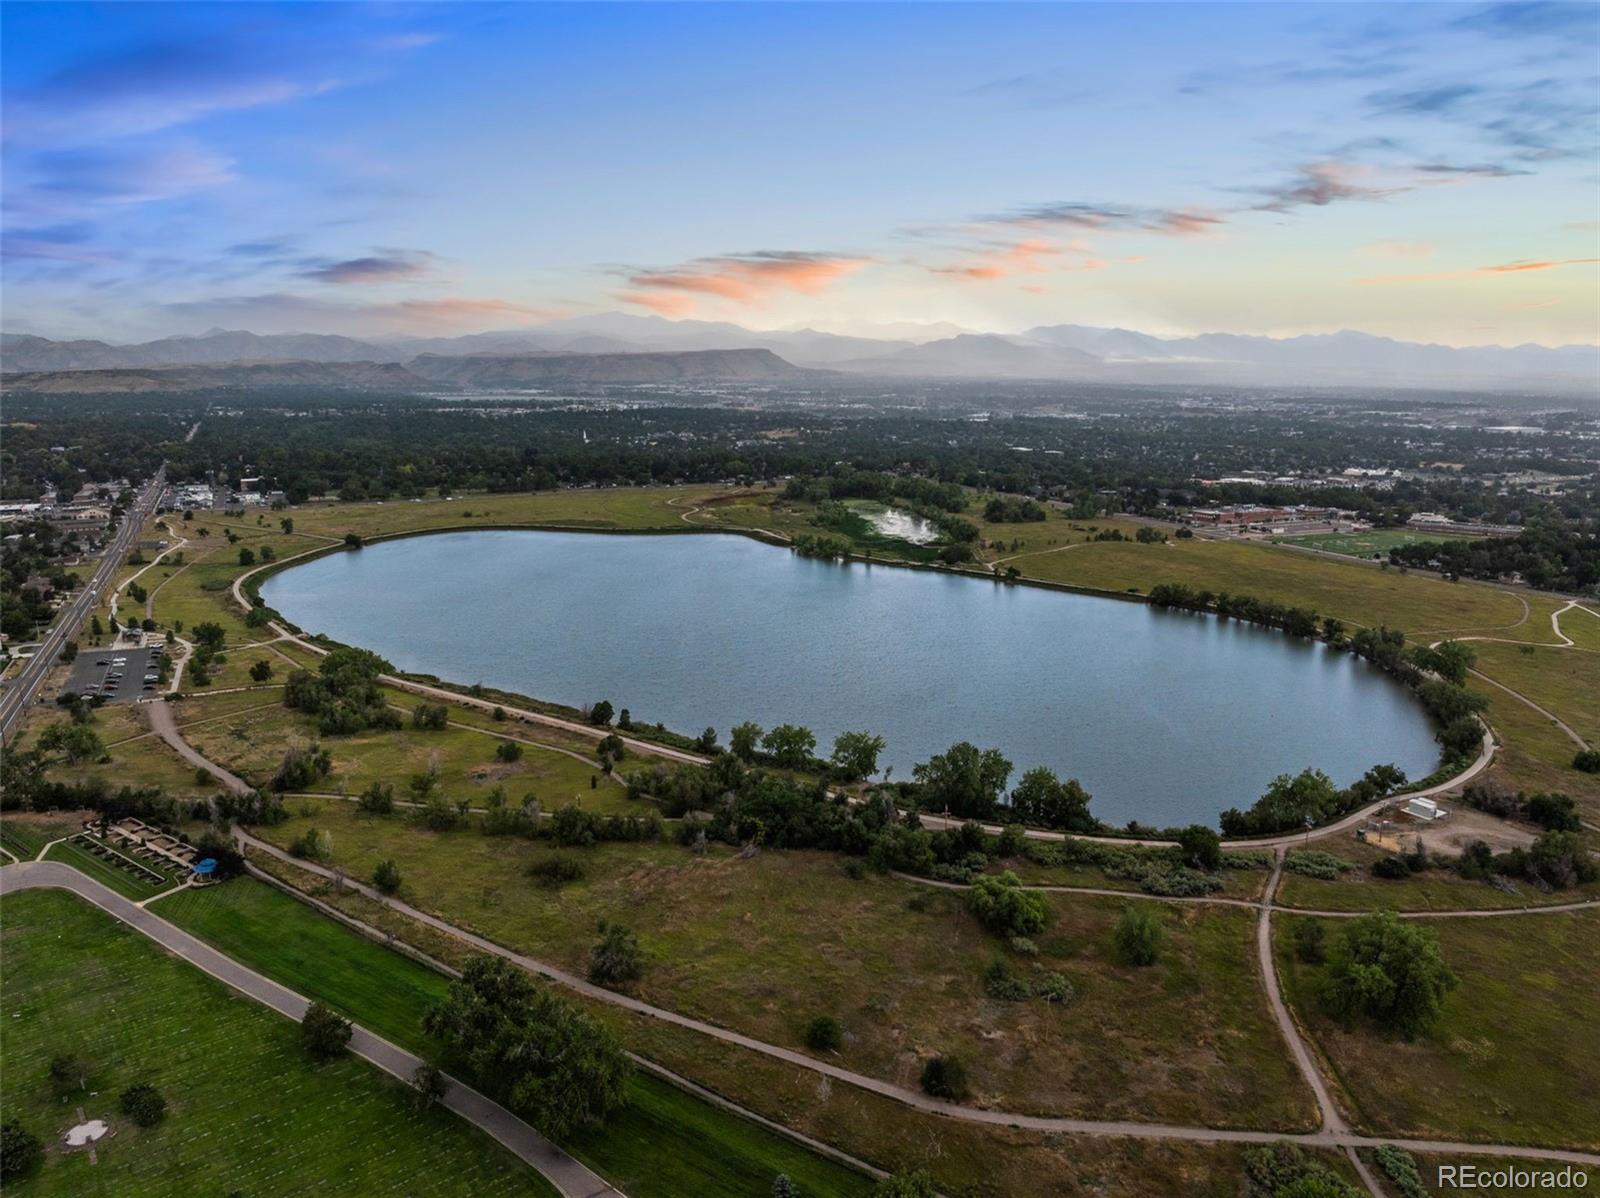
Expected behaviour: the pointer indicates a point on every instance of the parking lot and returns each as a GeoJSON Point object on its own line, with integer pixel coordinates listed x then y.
{"type": "Point", "coordinates": [117, 674]}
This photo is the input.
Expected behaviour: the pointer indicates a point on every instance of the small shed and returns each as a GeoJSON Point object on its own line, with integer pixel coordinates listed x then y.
{"type": "Point", "coordinates": [1425, 809]}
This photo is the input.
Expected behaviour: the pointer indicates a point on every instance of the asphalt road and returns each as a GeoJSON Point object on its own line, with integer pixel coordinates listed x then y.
{"type": "Point", "coordinates": [568, 1175]}
{"type": "Point", "coordinates": [20, 691]}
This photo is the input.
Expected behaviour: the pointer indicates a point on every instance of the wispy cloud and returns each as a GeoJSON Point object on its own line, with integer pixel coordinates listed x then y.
{"type": "Point", "coordinates": [382, 266]}
{"type": "Point", "coordinates": [71, 180]}
{"type": "Point", "coordinates": [1501, 269]}
{"type": "Point", "coordinates": [1398, 249]}
{"type": "Point", "coordinates": [1023, 257]}
{"type": "Point", "coordinates": [747, 279]}
{"type": "Point", "coordinates": [1177, 222]}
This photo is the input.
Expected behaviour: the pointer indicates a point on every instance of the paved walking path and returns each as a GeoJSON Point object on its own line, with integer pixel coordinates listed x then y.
{"type": "Point", "coordinates": [571, 1177]}
{"type": "Point", "coordinates": [1333, 1134]}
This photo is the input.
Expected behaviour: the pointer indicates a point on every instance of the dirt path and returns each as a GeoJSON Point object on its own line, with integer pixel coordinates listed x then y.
{"type": "Point", "coordinates": [572, 1178]}
{"type": "Point", "coordinates": [1332, 1134]}
{"type": "Point", "coordinates": [163, 725]}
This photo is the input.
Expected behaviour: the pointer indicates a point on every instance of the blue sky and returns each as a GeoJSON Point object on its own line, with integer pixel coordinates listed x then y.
{"type": "Point", "coordinates": [1427, 171]}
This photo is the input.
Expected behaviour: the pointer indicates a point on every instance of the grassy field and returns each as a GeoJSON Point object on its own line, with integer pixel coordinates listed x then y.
{"type": "Point", "coordinates": [764, 944]}
{"type": "Point", "coordinates": [1375, 542]}
{"type": "Point", "coordinates": [24, 834]}
{"type": "Point", "coordinates": [1513, 1060]}
{"type": "Point", "coordinates": [136, 759]}
{"type": "Point", "coordinates": [966, 1159]}
{"type": "Point", "coordinates": [252, 740]}
{"type": "Point", "coordinates": [247, 1112]}
{"type": "Point", "coordinates": [1565, 682]}
{"type": "Point", "coordinates": [718, 1154]}
{"type": "Point", "coordinates": [1582, 626]}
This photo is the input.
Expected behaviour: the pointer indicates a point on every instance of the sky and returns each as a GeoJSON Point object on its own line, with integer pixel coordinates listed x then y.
{"type": "Point", "coordinates": [1425, 171]}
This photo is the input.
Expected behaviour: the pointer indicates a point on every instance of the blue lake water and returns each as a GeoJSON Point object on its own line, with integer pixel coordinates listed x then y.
{"type": "Point", "coordinates": [1165, 717]}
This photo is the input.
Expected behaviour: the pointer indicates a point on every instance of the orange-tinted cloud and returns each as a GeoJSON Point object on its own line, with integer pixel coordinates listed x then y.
{"type": "Point", "coordinates": [739, 278]}
{"type": "Point", "coordinates": [464, 310]}
{"type": "Point", "coordinates": [1504, 268]}
{"type": "Point", "coordinates": [1024, 257]}
{"type": "Point", "coordinates": [1508, 268]}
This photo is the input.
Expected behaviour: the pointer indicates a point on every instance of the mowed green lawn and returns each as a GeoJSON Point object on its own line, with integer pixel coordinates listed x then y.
{"type": "Point", "coordinates": [764, 944]}
{"type": "Point", "coordinates": [247, 1111]}
{"type": "Point", "coordinates": [1515, 1058]}
{"type": "Point", "coordinates": [1372, 543]}
{"type": "Point", "coordinates": [714, 1153]}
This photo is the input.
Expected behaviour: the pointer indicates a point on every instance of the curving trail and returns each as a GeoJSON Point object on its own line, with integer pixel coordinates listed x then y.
{"type": "Point", "coordinates": [568, 1175]}
{"type": "Point", "coordinates": [1333, 1133]}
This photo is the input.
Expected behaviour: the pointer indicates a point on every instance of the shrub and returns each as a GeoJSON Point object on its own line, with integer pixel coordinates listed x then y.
{"type": "Point", "coordinates": [311, 845]}
{"type": "Point", "coordinates": [1002, 906]}
{"type": "Point", "coordinates": [1392, 868]}
{"type": "Point", "coordinates": [1587, 760]}
{"type": "Point", "coordinates": [324, 1033]}
{"type": "Point", "coordinates": [1139, 935]}
{"type": "Point", "coordinates": [1401, 1168]}
{"type": "Point", "coordinates": [1054, 987]}
{"type": "Point", "coordinates": [615, 957]}
{"type": "Point", "coordinates": [508, 751]}
{"type": "Point", "coordinates": [430, 1084]}
{"type": "Point", "coordinates": [916, 1184]}
{"type": "Point", "coordinates": [601, 712]}
{"type": "Point", "coordinates": [386, 877]}
{"type": "Point", "coordinates": [69, 1073]}
{"type": "Point", "coordinates": [824, 1034]}
{"type": "Point", "coordinates": [1386, 969]}
{"type": "Point", "coordinates": [261, 670]}
{"type": "Point", "coordinates": [20, 1151]}
{"type": "Point", "coordinates": [1023, 947]}
{"type": "Point", "coordinates": [945, 1077]}
{"type": "Point", "coordinates": [1314, 863]}
{"type": "Point", "coordinates": [430, 717]}
{"type": "Point", "coordinates": [143, 1104]}
{"type": "Point", "coordinates": [1000, 982]}
{"type": "Point", "coordinates": [555, 871]}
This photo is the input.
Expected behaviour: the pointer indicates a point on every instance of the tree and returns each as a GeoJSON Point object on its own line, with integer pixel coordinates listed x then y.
{"type": "Point", "coordinates": [324, 1033]}
{"type": "Point", "coordinates": [706, 742]}
{"type": "Point", "coordinates": [547, 1060]}
{"type": "Point", "coordinates": [377, 799]}
{"type": "Point", "coordinates": [1139, 935]}
{"type": "Point", "coordinates": [824, 1034]}
{"type": "Point", "coordinates": [790, 745]}
{"type": "Point", "coordinates": [143, 1104]}
{"type": "Point", "coordinates": [782, 1187]}
{"type": "Point", "coordinates": [69, 651]}
{"type": "Point", "coordinates": [1200, 847]}
{"type": "Point", "coordinates": [855, 755]}
{"type": "Point", "coordinates": [261, 670]}
{"type": "Point", "coordinates": [246, 557]}
{"type": "Point", "coordinates": [614, 959]}
{"type": "Point", "coordinates": [1559, 859]}
{"type": "Point", "coordinates": [72, 741]}
{"type": "Point", "coordinates": [386, 876]}
{"type": "Point", "coordinates": [69, 1073]}
{"type": "Point", "coordinates": [208, 634]}
{"type": "Point", "coordinates": [430, 1084]}
{"type": "Point", "coordinates": [1554, 812]}
{"type": "Point", "coordinates": [287, 524]}
{"type": "Point", "coordinates": [1387, 969]}
{"type": "Point", "coordinates": [743, 740]}
{"type": "Point", "coordinates": [601, 712]}
{"type": "Point", "coordinates": [508, 751]}
{"type": "Point", "coordinates": [916, 1184]}
{"type": "Point", "coordinates": [1045, 801]}
{"type": "Point", "coordinates": [1587, 760]}
{"type": "Point", "coordinates": [1002, 906]}
{"type": "Point", "coordinates": [1310, 940]}
{"type": "Point", "coordinates": [945, 1077]}
{"type": "Point", "coordinates": [20, 1151]}
{"type": "Point", "coordinates": [964, 780]}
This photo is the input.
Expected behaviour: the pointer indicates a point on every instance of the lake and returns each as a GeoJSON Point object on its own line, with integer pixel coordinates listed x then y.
{"type": "Point", "coordinates": [1165, 717]}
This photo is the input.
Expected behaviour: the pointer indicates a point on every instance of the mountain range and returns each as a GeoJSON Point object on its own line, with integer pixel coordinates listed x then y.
{"type": "Point", "coordinates": [625, 348]}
